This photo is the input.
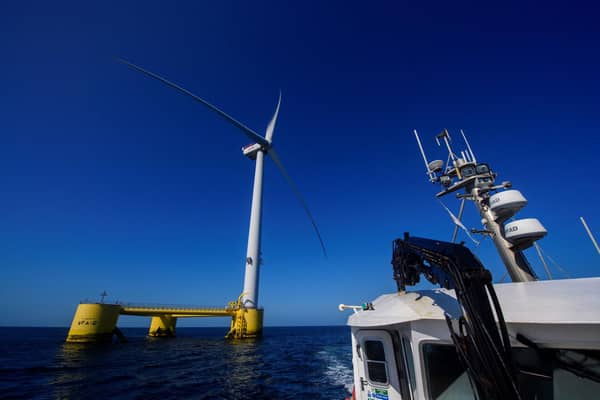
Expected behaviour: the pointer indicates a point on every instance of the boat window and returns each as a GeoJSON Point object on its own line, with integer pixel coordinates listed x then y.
{"type": "Point", "coordinates": [482, 169]}
{"type": "Point", "coordinates": [445, 374]}
{"type": "Point", "coordinates": [558, 374]}
{"type": "Point", "coordinates": [375, 360]}
{"type": "Point", "coordinates": [467, 171]}
{"type": "Point", "coordinates": [552, 374]}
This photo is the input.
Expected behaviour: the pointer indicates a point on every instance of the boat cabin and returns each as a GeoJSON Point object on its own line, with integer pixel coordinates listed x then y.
{"type": "Point", "coordinates": [402, 348]}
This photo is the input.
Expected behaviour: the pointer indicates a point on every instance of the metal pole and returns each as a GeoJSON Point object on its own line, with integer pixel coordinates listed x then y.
{"type": "Point", "coordinates": [460, 213]}
{"type": "Point", "coordinates": [468, 146]}
{"type": "Point", "coordinates": [515, 261]}
{"type": "Point", "coordinates": [539, 251]}
{"type": "Point", "coordinates": [587, 228]}
{"type": "Point", "coordinates": [447, 141]}
{"type": "Point", "coordinates": [423, 154]}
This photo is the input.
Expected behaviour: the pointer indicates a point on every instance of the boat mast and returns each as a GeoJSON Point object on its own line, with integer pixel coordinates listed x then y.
{"type": "Point", "coordinates": [476, 182]}
{"type": "Point", "coordinates": [515, 261]}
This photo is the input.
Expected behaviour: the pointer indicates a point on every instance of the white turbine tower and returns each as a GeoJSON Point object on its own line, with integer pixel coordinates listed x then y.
{"type": "Point", "coordinates": [255, 151]}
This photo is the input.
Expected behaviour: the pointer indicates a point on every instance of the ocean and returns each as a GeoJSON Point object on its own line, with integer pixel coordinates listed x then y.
{"type": "Point", "coordinates": [286, 363]}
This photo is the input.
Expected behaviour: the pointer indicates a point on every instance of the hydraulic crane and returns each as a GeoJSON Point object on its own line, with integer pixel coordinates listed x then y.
{"type": "Point", "coordinates": [481, 342]}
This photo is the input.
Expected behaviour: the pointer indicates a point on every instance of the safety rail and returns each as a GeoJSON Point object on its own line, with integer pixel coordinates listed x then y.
{"type": "Point", "coordinates": [172, 307]}
{"type": "Point", "coordinates": [127, 309]}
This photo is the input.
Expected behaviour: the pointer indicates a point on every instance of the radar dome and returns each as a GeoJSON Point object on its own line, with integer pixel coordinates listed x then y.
{"type": "Point", "coordinates": [506, 204]}
{"type": "Point", "coordinates": [523, 232]}
{"type": "Point", "coordinates": [435, 166]}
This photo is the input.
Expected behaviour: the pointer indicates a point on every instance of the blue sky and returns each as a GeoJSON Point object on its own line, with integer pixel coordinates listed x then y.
{"type": "Point", "coordinates": [112, 181]}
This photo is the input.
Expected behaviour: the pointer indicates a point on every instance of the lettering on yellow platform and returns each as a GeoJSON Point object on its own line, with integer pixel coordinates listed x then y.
{"type": "Point", "coordinates": [87, 322]}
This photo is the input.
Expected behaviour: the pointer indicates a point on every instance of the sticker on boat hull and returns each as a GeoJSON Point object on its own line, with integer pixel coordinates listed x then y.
{"type": "Point", "coordinates": [377, 394]}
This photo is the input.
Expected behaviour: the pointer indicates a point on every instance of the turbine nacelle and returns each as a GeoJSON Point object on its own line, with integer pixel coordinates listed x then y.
{"type": "Point", "coordinates": [251, 149]}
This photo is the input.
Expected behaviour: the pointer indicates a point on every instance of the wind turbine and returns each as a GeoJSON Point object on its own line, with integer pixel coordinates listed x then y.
{"type": "Point", "coordinates": [255, 151]}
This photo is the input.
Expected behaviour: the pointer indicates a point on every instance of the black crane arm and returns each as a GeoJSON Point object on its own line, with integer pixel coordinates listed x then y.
{"type": "Point", "coordinates": [481, 342]}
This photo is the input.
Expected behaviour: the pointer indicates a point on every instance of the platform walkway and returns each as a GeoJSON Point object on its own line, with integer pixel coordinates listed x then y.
{"type": "Point", "coordinates": [177, 311]}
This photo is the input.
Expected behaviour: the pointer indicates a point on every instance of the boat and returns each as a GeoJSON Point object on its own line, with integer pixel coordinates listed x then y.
{"type": "Point", "coordinates": [468, 337]}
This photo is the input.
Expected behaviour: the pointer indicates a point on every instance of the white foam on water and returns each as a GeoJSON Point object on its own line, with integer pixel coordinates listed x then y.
{"type": "Point", "coordinates": [336, 372]}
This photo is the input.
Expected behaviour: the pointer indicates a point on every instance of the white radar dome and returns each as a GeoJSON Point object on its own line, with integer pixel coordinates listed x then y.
{"type": "Point", "coordinates": [506, 204]}
{"type": "Point", "coordinates": [523, 232]}
{"type": "Point", "coordinates": [436, 166]}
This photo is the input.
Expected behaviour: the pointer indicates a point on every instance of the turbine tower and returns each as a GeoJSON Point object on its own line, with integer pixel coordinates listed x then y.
{"type": "Point", "coordinates": [256, 151]}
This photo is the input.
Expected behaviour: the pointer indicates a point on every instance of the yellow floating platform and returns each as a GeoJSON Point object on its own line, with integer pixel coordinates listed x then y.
{"type": "Point", "coordinates": [97, 322]}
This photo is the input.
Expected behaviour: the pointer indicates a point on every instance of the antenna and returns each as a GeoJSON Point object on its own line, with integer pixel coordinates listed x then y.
{"type": "Point", "coordinates": [477, 185]}
{"type": "Point", "coordinates": [429, 172]}
{"type": "Point", "coordinates": [102, 296]}
{"type": "Point", "coordinates": [589, 232]}
{"type": "Point", "coordinates": [468, 146]}
{"type": "Point", "coordinates": [446, 136]}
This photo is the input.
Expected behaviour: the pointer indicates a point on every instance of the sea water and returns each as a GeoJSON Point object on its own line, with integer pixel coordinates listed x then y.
{"type": "Point", "coordinates": [286, 363]}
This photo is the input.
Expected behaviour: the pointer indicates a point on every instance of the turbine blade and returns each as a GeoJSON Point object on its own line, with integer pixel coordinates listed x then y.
{"type": "Point", "coordinates": [247, 131]}
{"type": "Point", "coordinates": [271, 126]}
{"type": "Point", "coordinates": [287, 177]}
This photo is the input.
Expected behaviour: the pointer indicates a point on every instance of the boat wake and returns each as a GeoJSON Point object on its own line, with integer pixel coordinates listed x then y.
{"type": "Point", "coordinates": [336, 371]}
